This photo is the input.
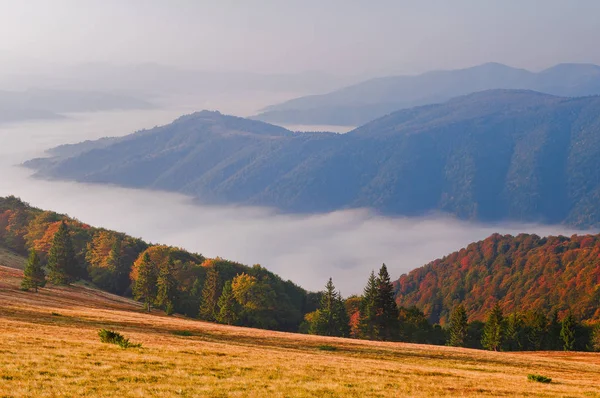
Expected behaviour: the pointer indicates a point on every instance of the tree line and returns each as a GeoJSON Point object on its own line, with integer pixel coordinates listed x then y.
{"type": "Point", "coordinates": [376, 316]}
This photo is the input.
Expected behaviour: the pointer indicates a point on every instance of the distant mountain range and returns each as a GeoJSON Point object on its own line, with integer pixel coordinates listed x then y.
{"type": "Point", "coordinates": [360, 103]}
{"type": "Point", "coordinates": [49, 104]}
{"type": "Point", "coordinates": [523, 273]}
{"type": "Point", "coordinates": [493, 155]}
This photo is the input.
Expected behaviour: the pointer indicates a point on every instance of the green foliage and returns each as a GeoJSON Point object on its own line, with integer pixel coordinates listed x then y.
{"type": "Point", "coordinates": [458, 327]}
{"type": "Point", "coordinates": [112, 337]}
{"type": "Point", "coordinates": [62, 265]}
{"type": "Point", "coordinates": [145, 285]}
{"type": "Point", "coordinates": [493, 332]}
{"type": "Point", "coordinates": [183, 333]}
{"type": "Point", "coordinates": [228, 306]}
{"type": "Point", "coordinates": [33, 274]}
{"type": "Point", "coordinates": [568, 331]}
{"type": "Point", "coordinates": [166, 287]}
{"type": "Point", "coordinates": [210, 296]}
{"type": "Point", "coordinates": [331, 319]}
{"type": "Point", "coordinates": [368, 309]}
{"type": "Point", "coordinates": [538, 378]}
{"type": "Point", "coordinates": [387, 310]}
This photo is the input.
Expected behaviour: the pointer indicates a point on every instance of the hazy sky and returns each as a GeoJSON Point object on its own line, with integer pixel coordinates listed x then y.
{"type": "Point", "coordinates": [340, 36]}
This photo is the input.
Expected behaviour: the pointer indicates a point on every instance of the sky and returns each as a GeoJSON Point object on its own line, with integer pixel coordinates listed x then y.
{"type": "Point", "coordinates": [349, 37]}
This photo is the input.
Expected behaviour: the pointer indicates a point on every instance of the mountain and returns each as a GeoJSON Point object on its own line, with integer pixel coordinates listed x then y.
{"type": "Point", "coordinates": [494, 155]}
{"type": "Point", "coordinates": [524, 273]}
{"type": "Point", "coordinates": [366, 101]}
{"type": "Point", "coordinates": [35, 104]}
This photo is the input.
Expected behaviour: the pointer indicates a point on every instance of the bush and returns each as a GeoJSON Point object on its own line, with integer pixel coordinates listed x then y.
{"type": "Point", "coordinates": [186, 333]}
{"type": "Point", "coordinates": [327, 348]}
{"type": "Point", "coordinates": [539, 378]}
{"type": "Point", "coordinates": [112, 337]}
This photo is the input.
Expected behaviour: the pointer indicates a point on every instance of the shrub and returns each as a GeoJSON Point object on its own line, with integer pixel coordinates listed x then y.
{"type": "Point", "coordinates": [327, 348]}
{"type": "Point", "coordinates": [539, 378]}
{"type": "Point", "coordinates": [112, 337]}
{"type": "Point", "coordinates": [186, 333]}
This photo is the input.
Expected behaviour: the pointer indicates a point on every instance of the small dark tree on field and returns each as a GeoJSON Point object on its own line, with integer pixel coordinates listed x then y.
{"type": "Point", "coordinates": [458, 327]}
{"type": "Point", "coordinates": [33, 274]}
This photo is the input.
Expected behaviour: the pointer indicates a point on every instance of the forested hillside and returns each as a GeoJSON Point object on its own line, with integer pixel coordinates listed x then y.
{"type": "Point", "coordinates": [161, 276]}
{"type": "Point", "coordinates": [523, 273]}
{"type": "Point", "coordinates": [495, 155]}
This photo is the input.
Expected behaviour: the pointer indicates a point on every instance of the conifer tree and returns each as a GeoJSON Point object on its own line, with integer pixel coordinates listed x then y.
{"type": "Point", "coordinates": [145, 285]}
{"type": "Point", "coordinates": [166, 287]}
{"type": "Point", "coordinates": [33, 274]}
{"type": "Point", "coordinates": [538, 330]}
{"type": "Point", "coordinates": [118, 265]}
{"type": "Point", "coordinates": [331, 318]}
{"type": "Point", "coordinates": [228, 306]}
{"type": "Point", "coordinates": [62, 266]}
{"type": "Point", "coordinates": [554, 341]}
{"type": "Point", "coordinates": [595, 338]}
{"type": "Point", "coordinates": [567, 332]}
{"type": "Point", "coordinates": [494, 329]}
{"type": "Point", "coordinates": [458, 327]}
{"type": "Point", "coordinates": [387, 310]}
{"type": "Point", "coordinates": [514, 335]}
{"type": "Point", "coordinates": [210, 295]}
{"type": "Point", "coordinates": [368, 309]}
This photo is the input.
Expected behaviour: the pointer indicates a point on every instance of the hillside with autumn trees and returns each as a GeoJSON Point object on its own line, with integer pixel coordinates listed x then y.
{"type": "Point", "coordinates": [163, 277]}
{"type": "Point", "coordinates": [522, 273]}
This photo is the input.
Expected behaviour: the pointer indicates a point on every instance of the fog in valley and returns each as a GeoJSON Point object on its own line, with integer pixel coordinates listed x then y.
{"type": "Point", "coordinates": [345, 245]}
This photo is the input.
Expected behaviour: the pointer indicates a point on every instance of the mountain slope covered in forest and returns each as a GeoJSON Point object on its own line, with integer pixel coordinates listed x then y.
{"type": "Point", "coordinates": [494, 155]}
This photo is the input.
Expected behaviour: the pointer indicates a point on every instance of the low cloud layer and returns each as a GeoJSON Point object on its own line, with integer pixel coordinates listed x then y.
{"type": "Point", "coordinates": [345, 245]}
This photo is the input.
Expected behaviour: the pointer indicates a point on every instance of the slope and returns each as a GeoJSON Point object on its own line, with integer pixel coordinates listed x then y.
{"type": "Point", "coordinates": [493, 155]}
{"type": "Point", "coordinates": [362, 102]}
{"type": "Point", "coordinates": [522, 273]}
{"type": "Point", "coordinates": [190, 358]}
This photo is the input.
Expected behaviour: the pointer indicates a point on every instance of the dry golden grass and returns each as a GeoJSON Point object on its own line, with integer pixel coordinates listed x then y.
{"type": "Point", "coordinates": [50, 347]}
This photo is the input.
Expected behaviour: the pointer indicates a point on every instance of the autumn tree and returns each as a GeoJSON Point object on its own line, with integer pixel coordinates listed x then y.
{"type": "Point", "coordinates": [331, 318]}
{"type": "Point", "coordinates": [144, 288]}
{"type": "Point", "coordinates": [368, 309]}
{"type": "Point", "coordinates": [458, 327]}
{"type": "Point", "coordinates": [567, 332]}
{"type": "Point", "coordinates": [257, 299]}
{"type": "Point", "coordinates": [210, 295]}
{"type": "Point", "coordinates": [387, 310]}
{"type": "Point", "coordinates": [62, 266]}
{"type": "Point", "coordinates": [228, 306]}
{"type": "Point", "coordinates": [166, 287]}
{"type": "Point", "coordinates": [33, 274]}
{"type": "Point", "coordinates": [493, 332]}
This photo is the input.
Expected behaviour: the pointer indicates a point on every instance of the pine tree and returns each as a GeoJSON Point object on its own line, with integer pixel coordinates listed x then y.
{"type": "Point", "coordinates": [567, 332]}
{"type": "Point", "coordinates": [595, 338]}
{"type": "Point", "coordinates": [120, 269]}
{"type": "Point", "coordinates": [210, 295]}
{"type": "Point", "coordinates": [458, 327]}
{"type": "Point", "coordinates": [228, 306]}
{"type": "Point", "coordinates": [537, 331]}
{"type": "Point", "coordinates": [493, 332]}
{"type": "Point", "coordinates": [62, 265]}
{"type": "Point", "coordinates": [554, 341]}
{"type": "Point", "coordinates": [145, 285]}
{"type": "Point", "coordinates": [514, 335]}
{"type": "Point", "coordinates": [387, 310]}
{"type": "Point", "coordinates": [33, 274]}
{"type": "Point", "coordinates": [166, 287]}
{"type": "Point", "coordinates": [331, 318]}
{"type": "Point", "coordinates": [368, 309]}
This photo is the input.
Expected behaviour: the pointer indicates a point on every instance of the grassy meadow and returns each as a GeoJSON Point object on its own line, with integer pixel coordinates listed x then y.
{"type": "Point", "coordinates": [49, 346]}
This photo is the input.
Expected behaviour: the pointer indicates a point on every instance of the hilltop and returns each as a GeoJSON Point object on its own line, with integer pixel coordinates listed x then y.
{"type": "Point", "coordinates": [497, 155]}
{"type": "Point", "coordinates": [362, 102]}
{"type": "Point", "coordinates": [523, 273]}
{"type": "Point", "coordinates": [180, 356]}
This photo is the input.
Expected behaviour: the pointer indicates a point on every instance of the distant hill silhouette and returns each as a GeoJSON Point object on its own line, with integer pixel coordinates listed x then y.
{"type": "Point", "coordinates": [360, 103]}
{"type": "Point", "coordinates": [494, 155]}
